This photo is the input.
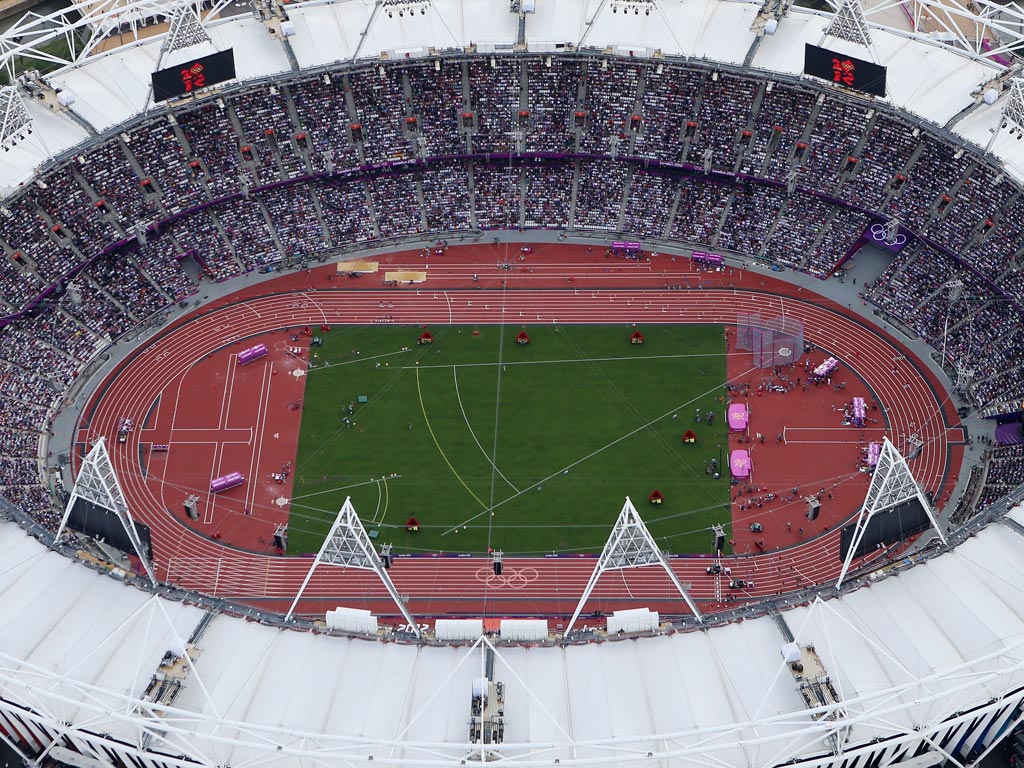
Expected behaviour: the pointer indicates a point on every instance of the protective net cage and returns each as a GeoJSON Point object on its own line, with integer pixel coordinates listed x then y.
{"type": "Point", "coordinates": [771, 341]}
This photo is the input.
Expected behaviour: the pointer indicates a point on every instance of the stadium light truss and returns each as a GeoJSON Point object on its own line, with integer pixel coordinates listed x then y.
{"type": "Point", "coordinates": [849, 24]}
{"type": "Point", "coordinates": [97, 484]}
{"type": "Point", "coordinates": [348, 546]}
{"type": "Point", "coordinates": [84, 26]}
{"type": "Point", "coordinates": [630, 545]}
{"type": "Point", "coordinates": [186, 30]}
{"type": "Point", "coordinates": [891, 484]}
{"type": "Point", "coordinates": [16, 121]}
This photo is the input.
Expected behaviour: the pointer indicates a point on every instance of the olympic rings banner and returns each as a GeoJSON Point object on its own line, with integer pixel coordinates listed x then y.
{"type": "Point", "coordinates": [876, 235]}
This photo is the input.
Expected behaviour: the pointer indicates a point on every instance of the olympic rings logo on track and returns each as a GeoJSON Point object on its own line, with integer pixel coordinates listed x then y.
{"type": "Point", "coordinates": [877, 232]}
{"type": "Point", "coordinates": [510, 578]}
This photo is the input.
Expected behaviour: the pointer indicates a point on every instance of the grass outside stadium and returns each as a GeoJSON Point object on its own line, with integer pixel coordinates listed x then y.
{"type": "Point", "coordinates": [530, 448]}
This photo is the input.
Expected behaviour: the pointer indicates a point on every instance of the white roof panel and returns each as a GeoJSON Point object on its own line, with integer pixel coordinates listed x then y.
{"type": "Point", "coordinates": [112, 87]}
{"type": "Point", "coordinates": [323, 34]}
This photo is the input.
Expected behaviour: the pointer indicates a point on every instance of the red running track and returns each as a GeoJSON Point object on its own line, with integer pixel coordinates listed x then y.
{"type": "Point", "coordinates": [913, 401]}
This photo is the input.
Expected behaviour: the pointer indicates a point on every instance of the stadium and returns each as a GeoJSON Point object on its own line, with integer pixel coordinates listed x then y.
{"type": "Point", "coordinates": [422, 382]}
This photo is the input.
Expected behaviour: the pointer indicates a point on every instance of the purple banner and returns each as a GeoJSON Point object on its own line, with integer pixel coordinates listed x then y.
{"type": "Point", "coordinates": [875, 234]}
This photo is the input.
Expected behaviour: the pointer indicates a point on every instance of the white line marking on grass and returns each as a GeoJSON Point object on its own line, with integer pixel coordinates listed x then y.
{"type": "Point", "coordinates": [590, 455]}
{"type": "Point", "coordinates": [573, 360]}
{"type": "Point", "coordinates": [472, 434]}
{"type": "Point", "coordinates": [437, 445]}
{"type": "Point", "coordinates": [367, 359]}
{"type": "Point", "coordinates": [335, 490]}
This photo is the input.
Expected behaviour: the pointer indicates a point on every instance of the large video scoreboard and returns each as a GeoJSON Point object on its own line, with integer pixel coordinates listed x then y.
{"type": "Point", "coordinates": [844, 70]}
{"type": "Point", "coordinates": [190, 76]}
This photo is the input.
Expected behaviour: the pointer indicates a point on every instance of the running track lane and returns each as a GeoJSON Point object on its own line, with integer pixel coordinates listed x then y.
{"type": "Point", "coordinates": [545, 586]}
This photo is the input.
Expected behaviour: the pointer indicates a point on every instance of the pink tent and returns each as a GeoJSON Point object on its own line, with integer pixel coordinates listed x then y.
{"type": "Point", "coordinates": [739, 464]}
{"type": "Point", "coordinates": [738, 417]}
{"type": "Point", "coordinates": [874, 452]}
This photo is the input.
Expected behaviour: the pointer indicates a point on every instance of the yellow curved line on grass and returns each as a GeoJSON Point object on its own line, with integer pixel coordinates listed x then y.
{"type": "Point", "coordinates": [423, 410]}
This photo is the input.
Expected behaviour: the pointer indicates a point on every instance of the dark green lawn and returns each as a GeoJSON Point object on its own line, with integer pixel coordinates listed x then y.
{"type": "Point", "coordinates": [583, 419]}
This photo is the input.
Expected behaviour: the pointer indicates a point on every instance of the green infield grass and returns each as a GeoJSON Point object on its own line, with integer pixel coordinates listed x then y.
{"type": "Point", "coordinates": [525, 448]}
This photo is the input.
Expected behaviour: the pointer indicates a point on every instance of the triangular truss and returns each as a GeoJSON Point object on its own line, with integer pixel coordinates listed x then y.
{"type": "Point", "coordinates": [1013, 110]}
{"type": "Point", "coordinates": [348, 545]}
{"type": "Point", "coordinates": [848, 23]}
{"type": "Point", "coordinates": [185, 30]}
{"type": "Point", "coordinates": [98, 485]}
{"type": "Point", "coordinates": [630, 545]}
{"type": "Point", "coordinates": [891, 484]}
{"type": "Point", "coordinates": [16, 122]}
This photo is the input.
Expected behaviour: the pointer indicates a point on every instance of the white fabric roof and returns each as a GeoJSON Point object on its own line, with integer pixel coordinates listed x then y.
{"type": "Point", "coordinates": [909, 650]}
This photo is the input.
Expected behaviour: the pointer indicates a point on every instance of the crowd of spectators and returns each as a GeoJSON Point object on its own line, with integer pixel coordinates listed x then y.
{"type": "Point", "coordinates": [888, 148]}
{"type": "Point", "coordinates": [998, 248]}
{"type": "Point", "coordinates": [20, 443]}
{"type": "Point", "coordinates": [844, 228]}
{"type": "Point", "coordinates": [162, 159]}
{"type": "Point", "coordinates": [669, 102]}
{"type": "Point", "coordinates": [957, 313]}
{"type": "Point", "coordinates": [699, 211]}
{"type": "Point", "coordinates": [26, 386]}
{"type": "Point", "coordinates": [120, 276]}
{"type": "Point", "coordinates": [552, 99]}
{"type": "Point", "coordinates": [841, 126]}
{"type": "Point", "coordinates": [916, 289]}
{"type": "Point", "coordinates": [380, 106]}
{"type": "Point", "coordinates": [611, 94]}
{"type": "Point", "coordinates": [599, 195]}
{"type": "Point", "coordinates": [18, 471]}
{"type": "Point", "coordinates": [446, 197]}
{"type": "Point", "coordinates": [159, 258]}
{"type": "Point", "coordinates": [724, 114]}
{"type": "Point", "coordinates": [219, 155]}
{"type": "Point", "coordinates": [25, 230]}
{"type": "Point", "coordinates": [18, 284]}
{"type": "Point", "coordinates": [651, 197]}
{"type": "Point", "coordinates": [248, 234]}
{"type": "Point", "coordinates": [295, 221]}
{"type": "Point", "coordinates": [548, 194]}
{"type": "Point", "coordinates": [89, 305]}
{"type": "Point", "coordinates": [396, 202]}
{"type": "Point", "coordinates": [327, 130]}
{"type": "Point", "coordinates": [750, 218]}
{"type": "Point", "coordinates": [78, 338]}
{"type": "Point", "coordinates": [68, 205]}
{"type": "Point", "coordinates": [199, 236]}
{"type": "Point", "coordinates": [778, 127]}
{"type": "Point", "coordinates": [346, 213]}
{"type": "Point", "coordinates": [436, 105]}
{"type": "Point", "coordinates": [932, 175]}
{"type": "Point", "coordinates": [107, 171]}
{"type": "Point", "coordinates": [802, 220]}
{"type": "Point", "coordinates": [21, 345]}
{"type": "Point", "coordinates": [212, 138]}
{"type": "Point", "coordinates": [1005, 473]}
{"type": "Point", "coordinates": [21, 416]}
{"type": "Point", "coordinates": [268, 130]}
{"type": "Point", "coordinates": [495, 99]}
{"type": "Point", "coordinates": [496, 195]}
